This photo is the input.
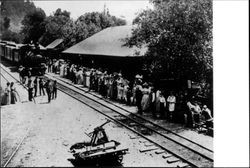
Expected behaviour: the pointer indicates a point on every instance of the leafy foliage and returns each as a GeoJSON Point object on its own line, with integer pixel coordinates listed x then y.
{"type": "Point", "coordinates": [33, 25]}
{"type": "Point", "coordinates": [54, 26]}
{"type": "Point", "coordinates": [15, 10]}
{"type": "Point", "coordinates": [178, 34]}
{"type": "Point", "coordinates": [60, 25]}
{"type": "Point", "coordinates": [87, 25]}
{"type": "Point", "coordinates": [9, 35]}
{"type": "Point", "coordinates": [12, 13]}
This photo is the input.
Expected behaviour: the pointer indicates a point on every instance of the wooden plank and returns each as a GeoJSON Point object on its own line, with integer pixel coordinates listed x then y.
{"type": "Point", "coordinates": [148, 149]}
{"type": "Point", "coordinates": [160, 151]}
{"type": "Point", "coordinates": [134, 137]}
{"type": "Point", "coordinates": [147, 144]}
{"type": "Point", "coordinates": [166, 155]}
{"type": "Point", "coordinates": [172, 160]}
{"type": "Point", "coordinates": [143, 140]}
{"type": "Point", "coordinates": [181, 165]}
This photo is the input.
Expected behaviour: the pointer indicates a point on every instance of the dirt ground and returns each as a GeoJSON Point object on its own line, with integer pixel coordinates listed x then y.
{"type": "Point", "coordinates": [50, 129]}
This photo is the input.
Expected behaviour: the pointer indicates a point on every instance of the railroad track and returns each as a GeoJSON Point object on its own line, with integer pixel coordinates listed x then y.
{"type": "Point", "coordinates": [193, 157]}
{"type": "Point", "coordinates": [189, 151]}
{"type": "Point", "coordinates": [23, 138]}
{"type": "Point", "coordinates": [112, 105]}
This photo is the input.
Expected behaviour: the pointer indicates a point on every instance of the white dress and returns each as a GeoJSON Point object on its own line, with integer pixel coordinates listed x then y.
{"type": "Point", "coordinates": [171, 100]}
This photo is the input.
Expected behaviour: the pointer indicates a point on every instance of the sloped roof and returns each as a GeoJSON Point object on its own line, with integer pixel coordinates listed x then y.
{"type": "Point", "coordinates": [41, 47]}
{"type": "Point", "coordinates": [54, 43]}
{"type": "Point", "coordinates": [108, 42]}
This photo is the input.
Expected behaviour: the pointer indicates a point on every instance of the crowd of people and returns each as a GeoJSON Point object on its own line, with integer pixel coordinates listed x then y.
{"type": "Point", "coordinates": [114, 86]}
{"type": "Point", "coordinates": [40, 84]}
{"type": "Point", "coordinates": [138, 92]}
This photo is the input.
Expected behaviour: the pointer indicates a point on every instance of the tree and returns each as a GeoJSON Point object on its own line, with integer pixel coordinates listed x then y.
{"type": "Point", "coordinates": [87, 25]}
{"type": "Point", "coordinates": [33, 25]}
{"type": "Point", "coordinates": [179, 39]}
{"type": "Point", "coordinates": [8, 35]}
{"type": "Point", "coordinates": [54, 26]}
{"type": "Point", "coordinates": [6, 23]}
{"type": "Point", "coordinates": [12, 12]}
{"type": "Point", "coordinates": [15, 11]}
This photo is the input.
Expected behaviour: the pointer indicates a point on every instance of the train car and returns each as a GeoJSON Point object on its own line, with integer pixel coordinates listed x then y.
{"type": "Point", "coordinates": [24, 54]}
{"type": "Point", "coordinates": [2, 48]}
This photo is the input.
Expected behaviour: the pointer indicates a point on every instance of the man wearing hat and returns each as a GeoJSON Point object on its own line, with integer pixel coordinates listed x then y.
{"type": "Point", "coordinates": [30, 89]}
{"type": "Point", "coordinates": [49, 89]}
{"type": "Point", "coordinates": [138, 97]}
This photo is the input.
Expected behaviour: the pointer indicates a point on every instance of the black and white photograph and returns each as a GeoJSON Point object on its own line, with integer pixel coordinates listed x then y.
{"type": "Point", "coordinates": [108, 83]}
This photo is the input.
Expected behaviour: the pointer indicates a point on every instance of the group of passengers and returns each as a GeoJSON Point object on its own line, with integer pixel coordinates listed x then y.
{"type": "Point", "coordinates": [140, 93]}
{"type": "Point", "coordinates": [10, 94]}
{"type": "Point", "coordinates": [39, 83]}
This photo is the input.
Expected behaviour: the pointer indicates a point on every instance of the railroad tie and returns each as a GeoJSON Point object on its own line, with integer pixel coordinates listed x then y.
{"type": "Point", "coordinates": [160, 151]}
{"type": "Point", "coordinates": [133, 137]}
{"type": "Point", "coordinates": [181, 165]}
{"type": "Point", "coordinates": [147, 144]}
{"type": "Point", "coordinates": [166, 155]}
{"type": "Point", "coordinates": [146, 149]}
{"type": "Point", "coordinates": [172, 159]}
{"type": "Point", "coordinates": [142, 140]}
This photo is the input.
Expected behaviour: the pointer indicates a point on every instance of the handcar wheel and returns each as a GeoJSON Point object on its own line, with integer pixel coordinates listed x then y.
{"type": "Point", "coordinates": [119, 158]}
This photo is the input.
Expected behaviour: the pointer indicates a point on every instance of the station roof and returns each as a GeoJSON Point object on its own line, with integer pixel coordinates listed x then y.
{"type": "Point", "coordinates": [54, 44]}
{"type": "Point", "coordinates": [108, 42]}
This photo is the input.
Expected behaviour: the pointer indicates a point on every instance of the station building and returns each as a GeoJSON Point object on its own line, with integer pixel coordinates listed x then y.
{"type": "Point", "coordinates": [106, 50]}
{"type": "Point", "coordinates": [54, 49]}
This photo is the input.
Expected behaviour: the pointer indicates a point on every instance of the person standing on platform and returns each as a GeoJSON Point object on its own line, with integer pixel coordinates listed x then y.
{"type": "Point", "coordinates": [50, 66]}
{"type": "Point", "coordinates": [152, 104]}
{"type": "Point", "coordinates": [171, 105]}
{"type": "Point", "coordinates": [41, 86]}
{"type": "Point", "coordinates": [13, 94]}
{"type": "Point", "coordinates": [162, 106]}
{"type": "Point", "coordinates": [30, 89]}
{"type": "Point", "coordinates": [29, 73]}
{"type": "Point", "coordinates": [138, 97]}
{"type": "Point", "coordinates": [54, 93]}
{"type": "Point", "coordinates": [145, 98]}
{"type": "Point", "coordinates": [157, 101]}
{"type": "Point", "coordinates": [35, 86]}
{"type": "Point", "coordinates": [49, 89]}
{"type": "Point", "coordinates": [21, 73]}
{"type": "Point", "coordinates": [6, 96]}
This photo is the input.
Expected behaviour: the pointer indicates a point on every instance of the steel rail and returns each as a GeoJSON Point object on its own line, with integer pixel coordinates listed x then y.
{"type": "Point", "coordinates": [4, 78]}
{"type": "Point", "coordinates": [128, 126]}
{"type": "Point", "coordinates": [152, 123]}
{"type": "Point", "coordinates": [20, 143]}
{"type": "Point", "coordinates": [149, 128]}
{"type": "Point", "coordinates": [15, 151]}
{"type": "Point", "coordinates": [14, 77]}
{"type": "Point", "coordinates": [194, 151]}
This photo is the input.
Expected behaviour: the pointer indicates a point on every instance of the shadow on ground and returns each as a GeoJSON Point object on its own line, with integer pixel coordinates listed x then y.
{"type": "Point", "coordinates": [95, 163]}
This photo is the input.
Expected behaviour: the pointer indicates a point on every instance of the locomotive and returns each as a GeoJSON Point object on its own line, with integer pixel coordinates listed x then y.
{"type": "Point", "coordinates": [27, 55]}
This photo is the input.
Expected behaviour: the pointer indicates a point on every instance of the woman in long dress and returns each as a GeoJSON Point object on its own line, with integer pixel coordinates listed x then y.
{"type": "Point", "coordinates": [157, 101]}
{"type": "Point", "coordinates": [87, 73]}
{"type": "Point", "coordinates": [13, 94]}
{"type": "Point", "coordinates": [145, 98]}
{"type": "Point", "coordinates": [6, 96]}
